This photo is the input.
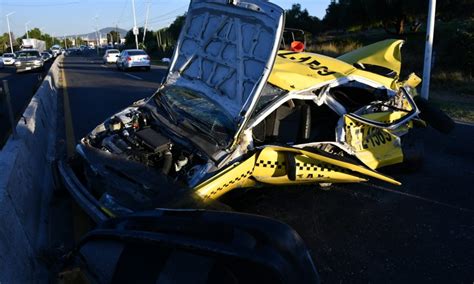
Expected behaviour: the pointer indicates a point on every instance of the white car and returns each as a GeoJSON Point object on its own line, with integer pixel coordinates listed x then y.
{"type": "Point", "coordinates": [8, 58]}
{"type": "Point", "coordinates": [133, 58]}
{"type": "Point", "coordinates": [111, 56]}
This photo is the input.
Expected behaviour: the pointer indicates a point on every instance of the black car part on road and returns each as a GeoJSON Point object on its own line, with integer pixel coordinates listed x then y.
{"type": "Point", "coordinates": [191, 246]}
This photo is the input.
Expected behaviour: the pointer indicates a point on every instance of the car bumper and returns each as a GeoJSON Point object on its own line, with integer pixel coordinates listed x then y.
{"type": "Point", "coordinates": [8, 62]}
{"type": "Point", "coordinates": [111, 60]}
{"type": "Point", "coordinates": [80, 193]}
{"type": "Point", "coordinates": [24, 68]}
{"type": "Point", "coordinates": [138, 64]}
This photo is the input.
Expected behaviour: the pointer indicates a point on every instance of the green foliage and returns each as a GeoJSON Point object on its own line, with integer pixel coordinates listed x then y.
{"type": "Point", "coordinates": [150, 40]}
{"type": "Point", "coordinates": [394, 15]}
{"type": "Point", "coordinates": [5, 43]}
{"type": "Point", "coordinates": [298, 18]}
{"type": "Point", "coordinates": [113, 37]}
{"type": "Point", "coordinates": [37, 34]}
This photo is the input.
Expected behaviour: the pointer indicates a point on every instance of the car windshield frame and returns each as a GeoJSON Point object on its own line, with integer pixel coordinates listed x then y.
{"type": "Point", "coordinates": [113, 51]}
{"type": "Point", "coordinates": [194, 110]}
{"type": "Point", "coordinates": [8, 55]}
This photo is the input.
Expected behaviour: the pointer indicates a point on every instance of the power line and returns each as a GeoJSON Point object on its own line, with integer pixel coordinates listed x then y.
{"type": "Point", "coordinates": [36, 4]}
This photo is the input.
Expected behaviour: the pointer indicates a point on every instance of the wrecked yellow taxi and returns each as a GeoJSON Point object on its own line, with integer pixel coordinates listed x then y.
{"type": "Point", "coordinates": [235, 111]}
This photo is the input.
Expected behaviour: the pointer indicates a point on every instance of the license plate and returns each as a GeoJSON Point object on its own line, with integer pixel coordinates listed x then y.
{"type": "Point", "coordinates": [28, 68]}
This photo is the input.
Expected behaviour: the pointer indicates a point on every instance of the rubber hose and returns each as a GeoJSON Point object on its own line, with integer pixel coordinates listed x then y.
{"type": "Point", "coordinates": [167, 162]}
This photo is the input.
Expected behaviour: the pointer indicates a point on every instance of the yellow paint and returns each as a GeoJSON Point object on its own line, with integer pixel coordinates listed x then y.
{"type": "Point", "coordinates": [292, 74]}
{"type": "Point", "coordinates": [270, 167]}
{"type": "Point", "coordinates": [386, 53]}
{"type": "Point", "coordinates": [375, 147]}
{"type": "Point", "coordinates": [234, 176]}
{"type": "Point", "coordinates": [70, 139]}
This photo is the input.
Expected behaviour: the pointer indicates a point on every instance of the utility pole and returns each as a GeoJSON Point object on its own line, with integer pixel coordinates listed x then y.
{"type": "Point", "coordinates": [9, 32]}
{"type": "Point", "coordinates": [26, 29]}
{"type": "Point", "coordinates": [117, 35]}
{"type": "Point", "coordinates": [65, 41]}
{"type": "Point", "coordinates": [135, 29]}
{"type": "Point", "coordinates": [425, 88]}
{"type": "Point", "coordinates": [146, 21]}
{"type": "Point", "coordinates": [97, 41]}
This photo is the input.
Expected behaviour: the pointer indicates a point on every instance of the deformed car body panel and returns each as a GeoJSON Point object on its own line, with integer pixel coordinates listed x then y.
{"type": "Point", "coordinates": [385, 54]}
{"type": "Point", "coordinates": [278, 165]}
{"type": "Point", "coordinates": [226, 51]}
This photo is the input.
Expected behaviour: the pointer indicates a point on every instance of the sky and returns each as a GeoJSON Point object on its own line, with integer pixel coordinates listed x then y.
{"type": "Point", "coordinates": [69, 17]}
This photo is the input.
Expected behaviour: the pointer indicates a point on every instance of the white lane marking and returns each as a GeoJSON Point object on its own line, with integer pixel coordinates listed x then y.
{"type": "Point", "coordinates": [133, 76]}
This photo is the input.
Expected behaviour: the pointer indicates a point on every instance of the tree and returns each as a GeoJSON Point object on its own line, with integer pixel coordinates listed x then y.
{"type": "Point", "coordinates": [297, 18]}
{"type": "Point", "coordinates": [5, 43]}
{"type": "Point", "coordinates": [114, 37]}
{"type": "Point", "coordinates": [149, 44]}
{"type": "Point", "coordinates": [392, 14]}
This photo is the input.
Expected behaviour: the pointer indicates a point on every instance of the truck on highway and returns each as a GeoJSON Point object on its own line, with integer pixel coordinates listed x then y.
{"type": "Point", "coordinates": [32, 43]}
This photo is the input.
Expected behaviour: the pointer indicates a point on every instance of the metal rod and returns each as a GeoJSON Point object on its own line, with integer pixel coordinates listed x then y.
{"type": "Point", "coordinates": [6, 90]}
{"type": "Point", "coordinates": [425, 89]}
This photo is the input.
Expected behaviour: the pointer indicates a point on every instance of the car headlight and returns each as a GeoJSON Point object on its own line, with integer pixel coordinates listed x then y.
{"type": "Point", "coordinates": [37, 62]}
{"type": "Point", "coordinates": [18, 63]}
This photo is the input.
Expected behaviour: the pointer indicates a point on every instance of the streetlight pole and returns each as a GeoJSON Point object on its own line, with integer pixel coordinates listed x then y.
{"type": "Point", "coordinates": [425, 88]}
{"type": "Point", "coordinates": [26, 29]}
{"type": "Point", "coordinates": [9, 32]}
{"type": "Point", "coordinates": [146, 21]}
{"type": "Point", "coordinates": [135, 29]}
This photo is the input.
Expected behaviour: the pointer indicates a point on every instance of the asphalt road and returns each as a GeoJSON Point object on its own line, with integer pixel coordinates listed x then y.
{"type": "Point", "coordinates": [22, 88]}
{"type": "Point", "coordinates": [421, 231]}
{"type": "Point", "coordinates": [97, 91]}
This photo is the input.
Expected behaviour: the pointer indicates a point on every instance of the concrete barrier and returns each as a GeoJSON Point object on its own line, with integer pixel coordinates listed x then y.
{"type": "Point", "coordinates": [26, 185]}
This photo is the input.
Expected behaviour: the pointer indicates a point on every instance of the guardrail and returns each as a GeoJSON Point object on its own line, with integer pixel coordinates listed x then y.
{"type": "Point", "coordinates": [26, 185]}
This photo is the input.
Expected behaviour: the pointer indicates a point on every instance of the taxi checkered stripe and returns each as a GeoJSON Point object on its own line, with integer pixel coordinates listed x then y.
{"type": "Point", "coordinates": [270, 164]}
{"type": "Point", "coordinates": [235, 180]}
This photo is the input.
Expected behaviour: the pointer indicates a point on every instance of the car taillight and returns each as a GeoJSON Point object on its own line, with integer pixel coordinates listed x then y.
{"type": "Point", "coordinates": [129, 59]}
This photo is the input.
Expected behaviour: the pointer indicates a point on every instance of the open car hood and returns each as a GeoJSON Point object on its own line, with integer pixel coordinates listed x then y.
{"type": "Point", "coordinates": [226, 51]}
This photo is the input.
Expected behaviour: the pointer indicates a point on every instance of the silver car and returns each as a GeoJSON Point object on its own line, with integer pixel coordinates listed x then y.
{"type": "Point", "coordinates": [133, 58]}
{"type": "Point", "coordinates": [8, 58]}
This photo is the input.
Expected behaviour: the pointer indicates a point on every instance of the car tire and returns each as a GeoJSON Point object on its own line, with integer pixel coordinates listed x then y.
{"type": "Point", "coordinates": [434, 116]}
{"type": "Point", "coordinates": [413, 151]}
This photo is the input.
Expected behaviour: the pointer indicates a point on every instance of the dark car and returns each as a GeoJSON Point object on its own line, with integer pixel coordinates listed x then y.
{"type": "Point", "coordinates": [190, 246]}
{"type": "Point", "coordinates": [29, 59]}
{"type": "Point", "coordinates": [46, 56]}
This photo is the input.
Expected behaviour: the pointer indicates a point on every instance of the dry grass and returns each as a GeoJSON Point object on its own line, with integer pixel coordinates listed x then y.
{"type": "Point", "coordinates": [456, 81]}
{"type": "Point", "coordinates": [334, 48]}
